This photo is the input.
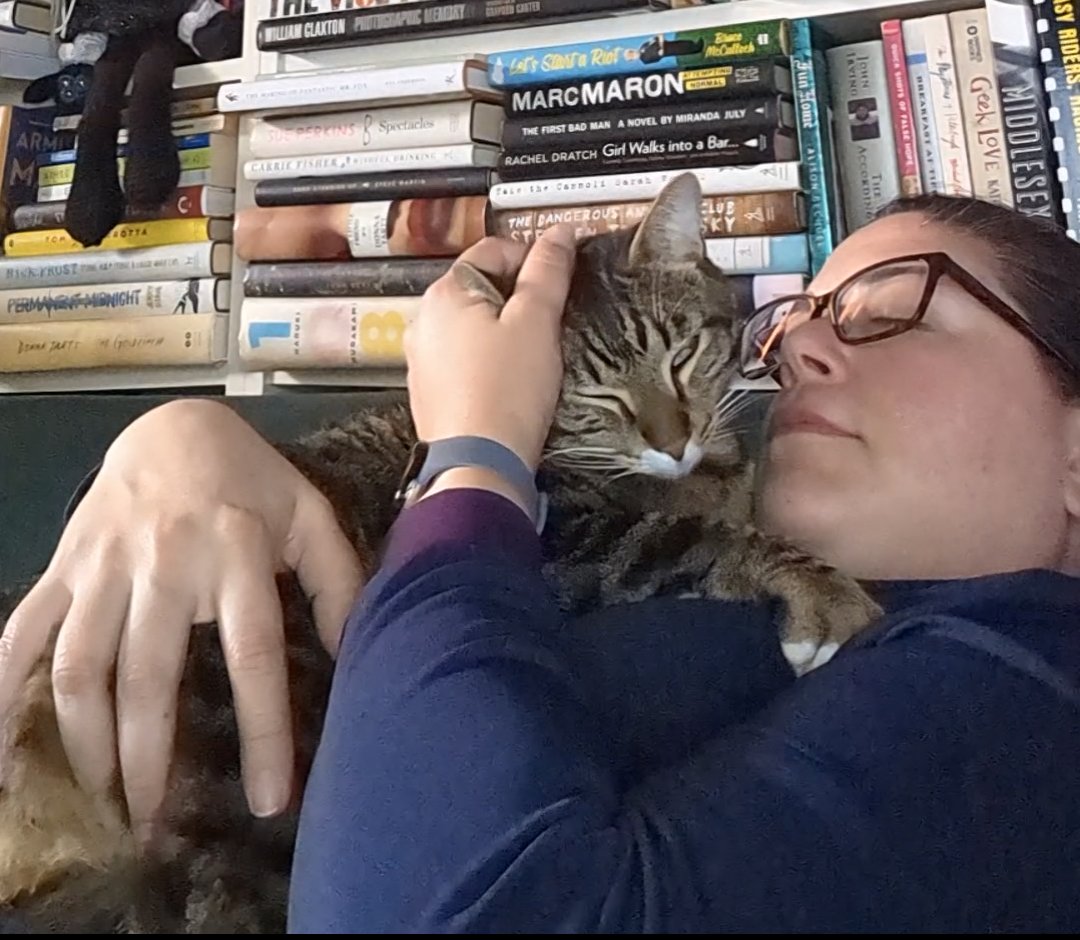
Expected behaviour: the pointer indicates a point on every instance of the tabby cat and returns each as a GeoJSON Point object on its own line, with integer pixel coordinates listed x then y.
{"type": "Point", "coordinates": [650, 493]}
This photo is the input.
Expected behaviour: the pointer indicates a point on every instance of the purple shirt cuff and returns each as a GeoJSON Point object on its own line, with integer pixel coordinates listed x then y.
{"type": "Point", "coordinates": [477, 520]}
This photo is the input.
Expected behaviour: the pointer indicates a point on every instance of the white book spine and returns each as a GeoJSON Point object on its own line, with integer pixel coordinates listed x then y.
{"type": "Point", "coordinates": [105, 302]}
{"type": "Point", "coordinates": [374, 161]}
{"type": "Point", "coordinates": [335, 87]}
{"type": "Point", "coordinates": [437, 124]}
{"type": "Point", "coordinates": [280, 8]}
{"type": "Point", "coordinates": [168, 263]}
{"type": "Point", "coordinates": [325, 332]}
{"type": "Point", "coordinates": [865, 143]}
{"type": "Point", "coordinates": [923, 105]}
{"type": "Point", "coordinates": [980, 104]}
{"type": "Point", "coordinates": [630, 187]}
{"type": "Point", "coordinates": [948, 113]}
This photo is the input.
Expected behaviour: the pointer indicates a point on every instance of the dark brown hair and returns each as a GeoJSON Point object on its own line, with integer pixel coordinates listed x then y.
{"type": "Point", "coordinates": [1038, 263]}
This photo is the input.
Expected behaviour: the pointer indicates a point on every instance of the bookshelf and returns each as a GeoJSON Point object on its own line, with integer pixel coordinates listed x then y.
{"type": "Point", "coordinates": [842, 20]}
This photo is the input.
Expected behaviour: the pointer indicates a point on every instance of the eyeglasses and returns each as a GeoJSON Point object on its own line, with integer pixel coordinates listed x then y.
{"type": "Point", "coordinates": [885, 299]}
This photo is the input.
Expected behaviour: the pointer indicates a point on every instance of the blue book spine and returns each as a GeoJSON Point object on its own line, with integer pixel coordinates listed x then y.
{"type": "Point", "coordinates": [760, 254]}
{"type": "Point", "coordinates": [1056, 29]}
{"type": "Point", "coordinates": [191, 142]}
{"type": "Point", "coordinates": [815, 146]}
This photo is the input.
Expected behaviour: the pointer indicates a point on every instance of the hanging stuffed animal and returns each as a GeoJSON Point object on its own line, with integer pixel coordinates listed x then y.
{"type": "Point", "coordinates": [142, 42]}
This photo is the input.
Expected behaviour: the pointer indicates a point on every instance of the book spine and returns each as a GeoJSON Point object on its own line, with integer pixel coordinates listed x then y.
{"type": "Point", "coordinates": [316, 333]}
{"type": "Point", "coordinates": [440, 124]}
{"type": "Point", "coordinates": [631, 187]}
{"type": "Point", "coordinates": [376, 161]}
{"type": "Point", "coordinates": [395, 277]}
{"type": "Point", "coordinates": [420, 82]}
{"type": "Point", "coordinates": [980, 102]}
{"type": "Point", "coordinates": [199, 339]}
{"type": "Point", "coordinates": [1059, 42]}
{"type": "Point", "coordinates": [434, 18]}
{"type": "Point", "coordinates": [866, 152]}
{"type": "Point", "coordinates": [1025, 112]}
{"type": "Point", "coordinates": [413, 227]}
{"type": "Point", "coordinates": [38, 215]}
{"type": "Point", "coordinates": [721, 217]}
{"type": "Point", "coordinates": [170, 263]}
{"type": "Point", "coordinates": [128, 235]}
{"type": "Point", "coordinates": [690, 48]}
{"type": "Point", "coordinates": [922, 103]}
{"type": "Point", "coordinates": [70, 155]}
{"type": "Point", "coordinates": [100, 302]}
{"type": "Point", "coordinates": [766, 254]}
{"type": "Point", "coordinates": [759, 77]}
{"type": "Point", "coordinates": [948, 116]}
{"type": "Point", "coordinates": [754, 290]}
{"type": "Point", "coordinates": [652, 152]}
{"type": "Point", "coordinates": [279, 8]}
{"type": "Point", "coordinates": [815, 142]}
{"type": "Point", "coordinates": [204, 158]}
{"type": "Point", "coordinates": [900, 106]}
{"type": "Point", "coordinates": [362, 187]}
{"type": "Point", "coordinates": [672, 121]}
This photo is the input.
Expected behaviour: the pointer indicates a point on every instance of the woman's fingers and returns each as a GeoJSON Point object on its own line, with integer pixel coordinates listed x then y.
{"type": "Point", "coordinates": [544, 280]}
{"type": "Point", "coordinates": [252, 634]}
{"type": "Point", "coordinates": [26, 636]}
{"type": "Point", "coordinates": [82, 676]}
{"type": "Point", "coordinates": [150, 664]}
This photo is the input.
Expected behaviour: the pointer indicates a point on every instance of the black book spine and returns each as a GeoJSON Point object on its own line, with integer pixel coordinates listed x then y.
{"type": "Point", "coordinates": [1056, 29]}
{"type": "Point", "coordinates": [371, 187]}
{"type": "Point", "coordinates": [1028, 135]}
{"type": "Point", "coordinates": [417, 20]}
{"type": "Point", "coordinates": [673, 121]}
{"type": "Point", "coordinates": [389, 277]}
{"type": "Point", "coordinates": [689, 86]}
{"type": "Point", "coordinates": [655, 152]}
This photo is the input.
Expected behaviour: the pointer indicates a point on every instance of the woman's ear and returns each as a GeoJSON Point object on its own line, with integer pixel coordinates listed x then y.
{"type": "Point", "coordinates": [1072, 463]}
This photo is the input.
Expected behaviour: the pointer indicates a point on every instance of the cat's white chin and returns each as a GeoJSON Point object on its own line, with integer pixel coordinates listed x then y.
{"type": "Point", "coordinates": [659, 464]}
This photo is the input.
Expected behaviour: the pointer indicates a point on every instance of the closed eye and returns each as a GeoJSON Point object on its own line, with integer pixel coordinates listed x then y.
{"type": "Point", "coordinates": [618, 402]}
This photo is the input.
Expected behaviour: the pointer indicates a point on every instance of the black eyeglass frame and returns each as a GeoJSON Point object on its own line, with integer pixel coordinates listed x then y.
{"type": "Point", "coordinates": [939, 264]}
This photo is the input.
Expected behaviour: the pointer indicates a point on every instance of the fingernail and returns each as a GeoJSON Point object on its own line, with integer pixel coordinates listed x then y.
{"type": "Point", "coordinates": [563, 235]}
{"type": "Point", "coordinates": [267, 796]}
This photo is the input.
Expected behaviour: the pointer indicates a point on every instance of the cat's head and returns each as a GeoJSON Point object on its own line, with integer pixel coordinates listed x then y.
{"type": "Point", "coordinates": [649, 348]}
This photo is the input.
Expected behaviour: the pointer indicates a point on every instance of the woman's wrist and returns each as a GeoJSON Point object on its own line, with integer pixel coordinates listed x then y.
{"type": "Point", "coordinates": [477, 478]}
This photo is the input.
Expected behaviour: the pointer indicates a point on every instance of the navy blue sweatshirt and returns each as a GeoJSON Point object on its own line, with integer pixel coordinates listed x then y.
{"type": "Point", "coordinates": [488, 767]}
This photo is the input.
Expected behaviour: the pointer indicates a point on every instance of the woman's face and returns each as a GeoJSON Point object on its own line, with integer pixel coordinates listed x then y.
{"type": "Point", "coordinates": [939, 453]}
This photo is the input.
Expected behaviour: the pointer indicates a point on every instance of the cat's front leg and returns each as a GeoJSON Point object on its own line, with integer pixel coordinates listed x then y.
{"type": "Point", "coordinates": [824, 608]}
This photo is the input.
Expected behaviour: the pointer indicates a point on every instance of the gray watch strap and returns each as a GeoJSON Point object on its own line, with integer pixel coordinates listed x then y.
{"type": "Point", "coordinates": [470, 451]}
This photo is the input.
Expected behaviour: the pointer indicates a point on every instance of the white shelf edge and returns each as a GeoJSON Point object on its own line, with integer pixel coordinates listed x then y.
{"type": "Point", "coordinates": [111, 380]}
{"type": "Point", "coordinates": [366, 378]}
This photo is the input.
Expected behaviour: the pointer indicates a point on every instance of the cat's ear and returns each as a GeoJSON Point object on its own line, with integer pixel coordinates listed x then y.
{"type": "Point", "coordinates": [671, 231]}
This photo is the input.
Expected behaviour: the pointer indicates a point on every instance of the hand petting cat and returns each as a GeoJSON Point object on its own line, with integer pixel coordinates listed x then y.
{"type": "Point", "coordinates": [481, 365]}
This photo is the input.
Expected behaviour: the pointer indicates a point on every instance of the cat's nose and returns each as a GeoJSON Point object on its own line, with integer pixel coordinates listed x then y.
{"type": "Point", "coordinates": [675, 448]}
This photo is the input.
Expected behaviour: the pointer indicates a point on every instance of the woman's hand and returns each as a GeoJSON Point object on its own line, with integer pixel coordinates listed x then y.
{"type": "Point", "coordinates": [474, 370]}
{"type": "Point", "coordinates": [187, 522]}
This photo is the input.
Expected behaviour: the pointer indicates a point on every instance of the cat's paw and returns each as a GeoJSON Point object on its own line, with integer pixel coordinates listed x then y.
{"type": "Point", "coordinates": [825, 609]}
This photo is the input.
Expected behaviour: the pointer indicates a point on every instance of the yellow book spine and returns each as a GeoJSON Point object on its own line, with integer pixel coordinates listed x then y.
{"type": "Point", "coordinates": [64, 173]}
{"type": "Point", "coordinates": [56, 241]}
{"type": "Point", "coordinates": [325, 332]}
{"type": "Point", "coordinates": [193, 339]}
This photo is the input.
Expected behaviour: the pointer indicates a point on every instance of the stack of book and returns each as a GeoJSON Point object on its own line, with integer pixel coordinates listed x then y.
{"type": "Point", "coordinates": [155, 292]}
{"type": "Point", "coordinates": [358, 211]}
{"type": "Point", "coordinates": [954, 103]}
{"type": "Point", "coordinates": [594, 130]}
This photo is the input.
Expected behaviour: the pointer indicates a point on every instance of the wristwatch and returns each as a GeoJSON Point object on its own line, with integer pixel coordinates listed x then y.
{"type": "Point", "coordinates": [429, 459]}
